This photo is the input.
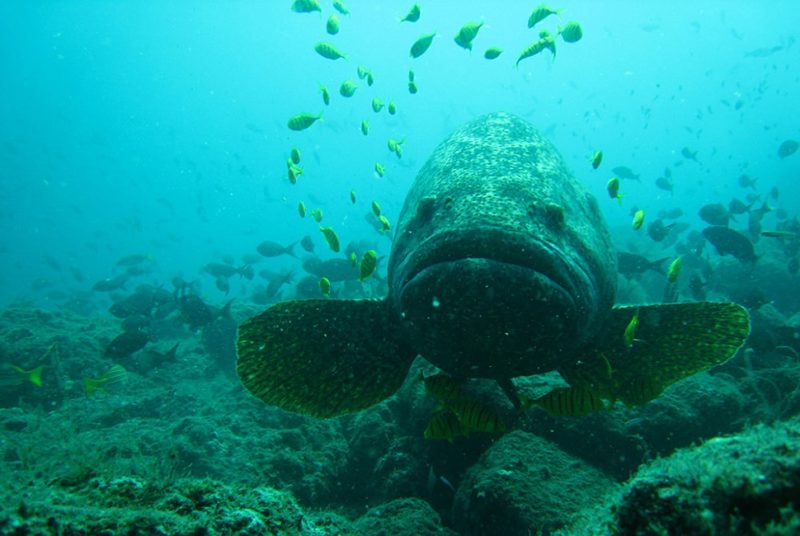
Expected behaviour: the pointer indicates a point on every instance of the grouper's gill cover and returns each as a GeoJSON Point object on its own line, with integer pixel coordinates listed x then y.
{"type": "Point", "coordinates": [501, 261]}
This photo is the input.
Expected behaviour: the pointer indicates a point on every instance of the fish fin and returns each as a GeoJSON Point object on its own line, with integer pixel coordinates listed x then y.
{"type": "Point", "coordinates": [673, 341]}
{"type": "Point", "coordinates": [323, 357]}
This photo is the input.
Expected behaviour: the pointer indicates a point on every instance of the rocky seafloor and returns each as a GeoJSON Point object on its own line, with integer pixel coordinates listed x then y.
{"type": "Point", "coordinates": [178, 447]}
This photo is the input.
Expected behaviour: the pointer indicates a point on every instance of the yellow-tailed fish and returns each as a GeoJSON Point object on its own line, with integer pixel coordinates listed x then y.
{"type": "Point", "coordinates": [674, 270]}
{"type": "Point", "coordinates": [385, 225]}
{"type": "Point", "coordinates": [476, 417]}
{"type": "Point", "coordinates": [306, 6]}
{"type": "Point", "coordinates": [294, 172]}
{"type": "Point", "coordinates": [340, 6]}
{"type": "Point", "coordinates": [295, 155]}
{"type": "Point", "coordinates": [330, 238]}
{"type": "Point", "coordinates": [332, 26]}
{"type": "Point", "coordinates": [570, 402]}
{"type": "Point", "coordinates": [20, 376]}
{"type": "Point", "coordinates": [113, 375]}
{"type": "Point", "coordinates": [353, 196]}
{"type": "Point", "coordinates": [492, 53]}
{"type": "Point", "coordinates": [612, 187]}
{"type": "Point", "coordinates": [302, 121]}
{"type": "Point", "coordinates": [328, 51]}
{"type": "Point", "coordinates": [421, 45]}
{"type": "Point", "coordinates": [301, 209]}
{"type": "Point", "coordinates": [597, 157]}
{"type": "Point", "coordinates": [326, 95]}
{"type": "Point", "coordinates": [571, 32]}
{"type": "Point", "coordinates": [317, 214]}
{"type": "Point", "coordinates": [377, 105]}
{"type": "Point", "coordinates": [368, 263]}
{"type": "Point", "coordinates": [353, 259]}
{"type": "Point", "coordinates": [376, 209]}
{"type": "Point", "coordinates": [412, 15]}
{"type": "Point", "coordinates": [467, 34]}
{"type": "Point", "coordinates": [365, 127]}
{"type": "Point", "coordinates": [541, 13]}
{"type": "Point", "coordinates": [638, 219]}
{"type": "Point", "coordinates": [444, 426]}
{"type": "Point", "coordinates": [392, 108]}
{"type": "Point", "coordinates": [348, 88]}
{"type": "Point", "coordinates": [362, 72]}
{"type": "Point", "coordinates": [325, 286]}
{"type": "Point", "coordinates": [629, 335]}
{"type": "Point", "coordinates": [379, 169]}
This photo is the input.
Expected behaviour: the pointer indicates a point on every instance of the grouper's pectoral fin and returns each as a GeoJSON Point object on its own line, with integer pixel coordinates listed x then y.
{"type": "Point", "coordinates": [322, 357]}
{"type": "Point", "coordinates": [669, 342]}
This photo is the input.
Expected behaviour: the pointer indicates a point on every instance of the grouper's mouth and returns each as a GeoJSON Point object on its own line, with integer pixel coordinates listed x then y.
{"type": "Point", "coordinates": [544, 260]}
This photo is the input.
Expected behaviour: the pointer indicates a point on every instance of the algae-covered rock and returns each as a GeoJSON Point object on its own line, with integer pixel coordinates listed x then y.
{"type": "Point", "coordinates": [523, 485]}
{"type": "Point", "coordinates": [401, 517]}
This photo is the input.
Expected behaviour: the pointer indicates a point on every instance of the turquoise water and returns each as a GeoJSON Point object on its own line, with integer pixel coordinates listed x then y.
{"type": "Point", "coordinates": [159, 129]}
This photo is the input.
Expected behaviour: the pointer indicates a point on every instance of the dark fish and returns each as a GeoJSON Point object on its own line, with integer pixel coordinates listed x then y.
{"type": "Point", "coordinates": [141, 302]}
{"type": "Point", "coordinates": [136, 323]}
{"type": "Point", "coordinates": [126, 343]}
{"type": "Point", "coordinates": [663, 183]}
{"type": "Point", "coordinates": [697, 287]}
{"type": "Point", "coordinates": [658, 230]}
{"type": "Point", "coordinates": [730, 242]}
{"type": "Point", "coordinates": [624, 172]}
{"type": "Point", "coordinates": [715, 214]}
{"type": "Point", "coordinates": [334, 269]}
{"type": "Point", "coordinates": [307, 243]}
{"type": "Point", "coordinates": [689, 155]}
{"type": "Point", "coordinates": [670, 214]}
{"type": "Point", "coordinates": [219, 269]}
{"type": "Point", "coordinates": [278, 281]}
{"type": "Point", "coordinates": [134, 259]}
{"type": "Point", "coordinates": [109, 284]}
{"type": "Point", "coordinates": [268, 248]}
{"type": "Point", "coordinates": [631, 264]}
{"type": "Point", "coordinates": [737, 206]}
{"type": "Point", "coordinates": [787, 148]}
{"type": "Point", "coordinates": [222, 284]}
{"type": "Point", "coordinates": [745, 181]}
{"type": "Point", "coordinates": [547, 272]}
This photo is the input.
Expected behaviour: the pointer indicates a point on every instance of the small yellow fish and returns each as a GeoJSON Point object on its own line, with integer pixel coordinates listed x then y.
{"type": "Point", "coordinates": [317, 214]}
{"type": "Point", "coordinates": [340, 6]}
{"type": "Point", "coordinates": [392, 108]}
{"type": "Point", "coordinates": [568, 402]}
{"type": "Point", "coordinates": [545, 42]}
{"type": "Point", "coordinates": [33, 376]}
{"type": "Point", "coordinates": [306, 6]}
{"type": "Point", "coordinates": [597, 157]}
{"type": "Point", "coordinates": [113, 375]}
{"type": "Point", "coordinates": [326, 96]}
{"type": "Point", "coordinates": [330, 238]}
{"type": "Point", "coordinates": [365, 127]}
{"type": "Point", "coordinates": [412, 15]}
{"type": "Point", "coordinates": [368, 263]}
{"type": "Point", "coordinates": [492, 53]}
{"type": "Point", "coordinates": [396, 146]}
{"type": "Point", "coordinates": [353, 196]}
{"type": "Point", "coordinates": [379, 169]}
{"type": "Point", "coordinates": [325, 286]}
{"type": "Point", "coordinates": [376, 209]}
{"type": "Point", "coordinates": [541, 13]}
{"type": "Point", "coordinates": [467, 34]}
{"type": "Point", "coordinates": [294, 172]}
{"type": "Point", "coordinates": [302, 121]}
{"type": "Point", "coordinates": [301, 209]}
{"type": "Point", "coordinates": [674, 270]}
{"type": "Point", "coordinates": [295, 155]}
{"type": "Point", "coordinates": [442, 386]}
{"type": "Point", "coordinates": [328, 51]}
{"type": "Point", "coordinates": [421, 45]}
{"type": "Point", "coordinates": [613, 189]}
{"type": "Point", "coordinates": [412, 88]}
{"type": "Point", "coordinates": [385, 225]}
{"type": "Point", "coordinates": [377, 105]}
{"type": "Point", "coordinates": [353, 259]}
{"type": "Point", "coordinates": [477, 417]}
{"type": "Point", "coordinates": [571, 32]}
{"type": "Point", "coordinates": [348, 88]}
{"type": "Point", "coordinates": [362, 72]}
{"type": "Point", "coordinates": [629, 335]}
{"type": "Point", "coordinates": [444, 426]}
{"type": "Point", "coordinates": [638, 219]}
{"type": "Point", "coordinates": [332, 26]}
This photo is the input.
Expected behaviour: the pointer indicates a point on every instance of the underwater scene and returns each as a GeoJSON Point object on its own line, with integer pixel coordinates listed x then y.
{"type": "Point", "coordinates": [346, 267]}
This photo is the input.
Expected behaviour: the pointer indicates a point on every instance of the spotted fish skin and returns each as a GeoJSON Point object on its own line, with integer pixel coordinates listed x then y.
{"type": "Point", "coordinates": [497, 231]}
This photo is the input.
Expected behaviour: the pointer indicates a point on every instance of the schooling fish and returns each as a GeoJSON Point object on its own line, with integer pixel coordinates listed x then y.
{"type": "Point", "coordinates": [484, 282]}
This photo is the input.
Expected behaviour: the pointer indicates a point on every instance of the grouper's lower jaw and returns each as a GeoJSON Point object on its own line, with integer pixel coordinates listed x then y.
{"type": "Point", "coordinates": [486, 318]}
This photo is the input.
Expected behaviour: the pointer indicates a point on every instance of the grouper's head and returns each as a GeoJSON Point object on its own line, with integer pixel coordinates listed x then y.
{"type": "Point", "coordinates": [502, 265]}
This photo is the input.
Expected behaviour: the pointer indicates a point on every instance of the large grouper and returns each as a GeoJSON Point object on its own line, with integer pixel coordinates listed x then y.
{"type": "Point", "coordinates": [502, 266]}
